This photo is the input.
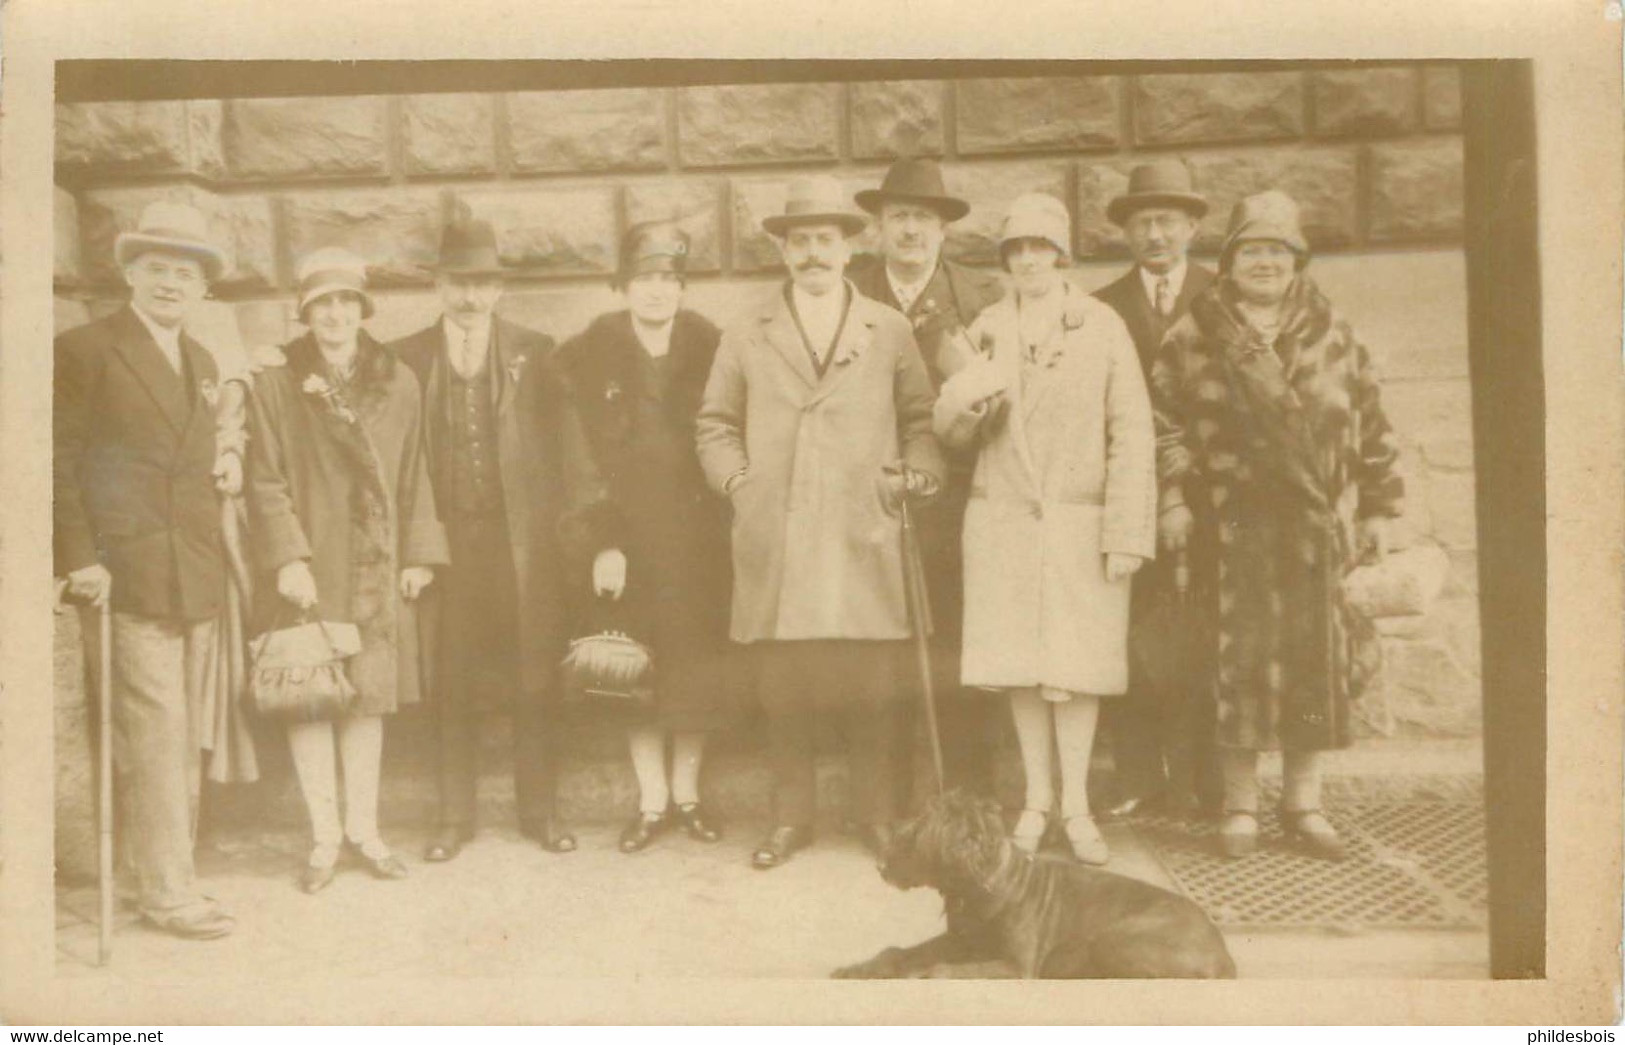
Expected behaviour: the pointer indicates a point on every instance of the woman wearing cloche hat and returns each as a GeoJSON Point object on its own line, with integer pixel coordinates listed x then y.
{"type": "Point", "coordinates": [639, 373]}
{"type": "Point", "coordinates": [1061, 513]}
{"type": "Point", "coordinates": [343, 529]}
{"type": "Point", "coordinates": [1278, 472]}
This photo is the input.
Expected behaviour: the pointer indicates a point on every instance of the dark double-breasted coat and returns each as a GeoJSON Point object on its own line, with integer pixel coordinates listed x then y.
{"type": "Point", "coordinates": [132, 475]}
{"type": "Point", "coordinates": [639, 417]}
{"type": "Point", "coordinates": [553, 496]}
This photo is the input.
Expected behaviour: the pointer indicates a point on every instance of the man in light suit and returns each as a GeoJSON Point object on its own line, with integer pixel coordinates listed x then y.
{"type": "Point", "coordinates": [940, 298]}
{"type": "Point", "coordinates": [1162, 744]}
{"type": "Point", "coordinates": [139, 463]}
{"type": "Point", "coordinates": [816, 423]}
{"type": "Point", "coordinates": [517, 489]}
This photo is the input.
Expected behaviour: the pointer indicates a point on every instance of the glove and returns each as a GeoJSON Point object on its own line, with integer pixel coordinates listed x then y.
{"type": "Point", "coordinates": [609, 573]}
{"type": "Point", "coordinates": [90, 584]}
{"type": "Point", "coordinates": [414, 579]}
{"type": "Point", "coordinates": [1120, 567]}
{"type": "Point", "coordinates": [1174, 527]}
{"type": "Point", "coordinates": [295, 583]}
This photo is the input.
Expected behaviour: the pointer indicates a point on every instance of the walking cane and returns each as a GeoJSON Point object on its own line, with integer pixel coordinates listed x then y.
{"type": "Point", "coordinates": [104, 770]}
{"type": "Point", "coordinates": [104, 782]}
{"type": "Point", "coordinates": [919, 617]}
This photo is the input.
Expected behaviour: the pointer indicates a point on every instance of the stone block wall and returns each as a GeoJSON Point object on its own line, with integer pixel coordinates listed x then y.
{"type": "Point", "coordinates": [1373, 153]}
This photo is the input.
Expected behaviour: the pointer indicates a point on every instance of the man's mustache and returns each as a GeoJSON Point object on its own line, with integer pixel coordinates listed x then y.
{"type": "Point", "coordinates": [808, 266]}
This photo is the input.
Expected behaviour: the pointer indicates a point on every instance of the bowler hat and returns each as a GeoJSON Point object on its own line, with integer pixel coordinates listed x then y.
{"type": "Point", "coordinates": [469, 248]}
{"type": "Point", "coordinates": [176, 228]}
{"type": "Point", "coordinates": [815, 200]}
{"type": "Point", "coordinates": [652, 246]}
{"type": "Point", "coordinates": [1267, 215]}
{"type": "Point", "coordinates": [1165, 183]}
{"type": "Point", "coordinates": [331, 270]}
{"type": "Point", "coordinates": [911, 180]}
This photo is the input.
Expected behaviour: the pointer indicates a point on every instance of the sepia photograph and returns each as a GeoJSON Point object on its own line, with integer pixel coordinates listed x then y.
{"type": "Point", "coordinates": [767, 521]}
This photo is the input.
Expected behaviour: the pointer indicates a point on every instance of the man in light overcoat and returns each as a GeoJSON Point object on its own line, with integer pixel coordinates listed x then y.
{"type": "Point", "coordinates": [816, 424]}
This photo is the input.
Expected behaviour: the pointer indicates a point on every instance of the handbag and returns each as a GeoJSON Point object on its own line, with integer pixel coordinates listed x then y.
{"type": "Point", "coordinates": [610, 665]}
{"type": "Point", "coordinates": [298, 671]}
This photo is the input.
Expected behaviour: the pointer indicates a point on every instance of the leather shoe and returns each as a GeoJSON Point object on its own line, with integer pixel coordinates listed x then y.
{"type": "Point", "coordinates": [387, 867]}
{"type": "Point", "coordinates": [778, 846]}
{"type": "Point", "coordinates": [1309, 831]}
{"type": "Point", "coordinates": [446, 844]}
{"type": "Point", "coordinates": [550, 834]}
{"type": "Point", "coordinates": [1133, 805]}
{"type": "Point", "coordinates": [876, 838]}
{"type": "Point", "coordinates": [314, 879]}
{"type": "Point", "coordinates": [696, 821]}
{"type": "Point", "coordinates": [201, 921]}
{"type": "Point", "coordinates": [643, 829]}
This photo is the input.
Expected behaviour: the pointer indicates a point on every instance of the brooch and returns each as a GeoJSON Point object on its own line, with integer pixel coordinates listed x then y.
{"type": "Point", "coordinates": [612, 391]}
{"type": "Point", "coordinates": [316, 385]}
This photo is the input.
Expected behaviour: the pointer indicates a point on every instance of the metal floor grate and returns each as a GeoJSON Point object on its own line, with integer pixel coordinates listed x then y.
{"type": "Point", "coordinates": [1410, 865]}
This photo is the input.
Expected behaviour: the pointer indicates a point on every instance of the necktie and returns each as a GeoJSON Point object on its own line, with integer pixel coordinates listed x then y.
{"type": "Point", "coordinates": [1165, 297]}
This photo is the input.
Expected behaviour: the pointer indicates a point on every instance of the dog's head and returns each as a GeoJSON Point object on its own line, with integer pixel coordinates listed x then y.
{"type": "Point", "coordinates": [954, 845]}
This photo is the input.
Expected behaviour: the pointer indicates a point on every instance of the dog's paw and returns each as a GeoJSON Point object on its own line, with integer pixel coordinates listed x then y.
{"type": "Point", "coordinates": [883, 966]}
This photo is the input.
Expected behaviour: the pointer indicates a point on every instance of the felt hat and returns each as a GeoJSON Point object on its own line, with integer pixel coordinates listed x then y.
{"type": "Point", "coordinates": [1038, 215]}
{"type": "Point", "coordinates": [1267, 215]}
{"type": "Point", "coordinates": [469, 248]}
{"type": "Point", "coordinates": [331, 270]}
{"type": "Point", "coordinates": [176, 228]}
{"type": "Point", "coordinates": [911, 180]}
{"type": "Point", "coordinates": [815, 200]}
{"type": "Point", "coordinates": [1165, 183]}
{"type": "Point", "coordinates": [652, 246]}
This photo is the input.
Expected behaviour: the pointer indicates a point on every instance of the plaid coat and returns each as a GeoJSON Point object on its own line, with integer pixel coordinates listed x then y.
{"type": "Point", "coordinates": [1278, 450]}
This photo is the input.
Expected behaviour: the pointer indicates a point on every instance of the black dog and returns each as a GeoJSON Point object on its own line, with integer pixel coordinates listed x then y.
{"type": "Point", "coordinates": [1048, 918]}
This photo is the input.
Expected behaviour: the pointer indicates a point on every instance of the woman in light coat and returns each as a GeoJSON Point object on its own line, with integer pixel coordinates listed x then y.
{"type": "Point", "coordinates": [1062, 511]}
{"type": "Point", "coordinates": [343, 526]}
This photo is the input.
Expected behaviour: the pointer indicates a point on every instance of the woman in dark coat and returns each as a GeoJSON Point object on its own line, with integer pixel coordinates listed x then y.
{"type": "Point", "coordinates": [639, 375]}
{"type": "Point", "coordinates": [1277, 467]}
{"type": "Point", "coordinates": [343, 526]}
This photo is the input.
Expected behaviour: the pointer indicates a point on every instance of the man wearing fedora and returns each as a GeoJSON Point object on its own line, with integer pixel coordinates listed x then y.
{"type": "Point", "coordinates": [516, 488]}
{"type": "Point", "coordinates": [816, 424]}
{"type": "Point", "coordinates": [912, 210]}
{"type": "Point", "coordinates": [1162, 752]}
{"type": "Point", "coordinates": [139, 463]}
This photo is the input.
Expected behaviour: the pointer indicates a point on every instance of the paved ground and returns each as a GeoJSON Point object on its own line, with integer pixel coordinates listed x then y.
{"type": "Point", "coordinates": [681, 909]}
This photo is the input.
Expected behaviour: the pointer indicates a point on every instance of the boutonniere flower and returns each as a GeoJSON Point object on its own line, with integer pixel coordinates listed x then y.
{"type": "Point", "coordinates": [210, 391]}
{"type": "Point", "coordinates": [318, 386]}
{"type": "Point", "coordinates": [612, 391]}
{"type": "Point", "coordinates": [852, 348]}
{"type": "Point", "coordinates": [514, 367]}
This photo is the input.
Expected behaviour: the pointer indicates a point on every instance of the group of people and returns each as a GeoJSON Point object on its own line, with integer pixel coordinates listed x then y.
{"type": "Point", "coordinates": [472, 496]}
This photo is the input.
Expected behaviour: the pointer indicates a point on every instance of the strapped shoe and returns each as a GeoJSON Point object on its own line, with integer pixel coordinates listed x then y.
{"type": "Point", "coordinates": [1310, 832]}
{"type": "Point", "coordinates": [1088, 845]}
{"type": "Point", "coordinates": [643, 829]}
{"type": "Point", "coordinates": [1238, 834]}
{"type": "Point", "coordinates": [698, 823]}
{"type": "Point", "coordinates": [1031, 827]}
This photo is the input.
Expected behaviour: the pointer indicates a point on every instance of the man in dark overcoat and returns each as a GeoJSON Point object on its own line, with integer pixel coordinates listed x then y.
{"type": "Point", "coordinates": [139, 464]}
{"type": "Point", "coordinates": [912, 210]}
{"type": "Point", "coordinates": [517, 490]}
{"type": "Point", "coordinates": [1161, 739]}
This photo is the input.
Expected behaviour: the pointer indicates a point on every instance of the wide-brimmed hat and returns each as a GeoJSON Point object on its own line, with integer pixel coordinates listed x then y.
{"type": "Point", "coordinates": [1038, 215]}
{"type": "Point", "coordinates": [652, 246]}
{"type": "Point", "coordinates": [815, 200]}
{"type": "Point", "coordinates": [1267, 215]}
{"type": "Point", "coordinates": [1165, 183]}
{"type": "Point", "coordinates": [911, 180]}
{"type": "Point", "coordinates": [176, 228]}
{"type": "Point", "coordinates": [469, 248]}
{"type": "Point", "coordinates": [332, 270]}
